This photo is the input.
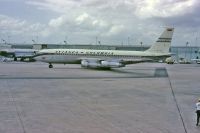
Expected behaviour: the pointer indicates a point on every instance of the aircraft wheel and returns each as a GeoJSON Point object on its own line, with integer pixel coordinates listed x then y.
{"type": "Point", "coordinates": [22, 59]}
{"type": "Point", "coordinates": [50, 66]}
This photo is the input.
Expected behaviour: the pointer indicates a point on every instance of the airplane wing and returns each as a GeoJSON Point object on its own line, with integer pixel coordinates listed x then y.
{"type": "Point", "coordinates": [135, 61]}
{"type": "Point", "coordinates": [195, 59]}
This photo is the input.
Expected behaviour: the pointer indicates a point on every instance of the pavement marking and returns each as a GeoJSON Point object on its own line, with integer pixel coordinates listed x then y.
{"type": "Point", "coordinates": [17, 110]}
{"type": "Point", "coordinates": [177, 106]}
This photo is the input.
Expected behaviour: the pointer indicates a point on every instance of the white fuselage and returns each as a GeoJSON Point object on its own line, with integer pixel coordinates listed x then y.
{"type": "Point", "coordinates": [108, 58]}
{"type": "Point", "coordinates": [76, 55]}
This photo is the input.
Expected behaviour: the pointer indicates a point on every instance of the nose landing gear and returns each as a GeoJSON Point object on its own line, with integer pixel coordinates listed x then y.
{"type": "Point", "coordinates": [50, 65]}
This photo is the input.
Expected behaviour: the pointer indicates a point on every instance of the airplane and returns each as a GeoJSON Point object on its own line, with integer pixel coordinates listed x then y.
{"type": "Point", "coordinates": [197, 60]}
{"type": "Point", "coordinates": [22, 54]}
{"type": "Point", "coordinates": [90, 58]}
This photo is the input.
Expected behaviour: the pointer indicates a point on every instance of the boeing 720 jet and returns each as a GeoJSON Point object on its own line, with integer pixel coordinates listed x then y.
{"type": "Point", "coordinates": [90, 58]}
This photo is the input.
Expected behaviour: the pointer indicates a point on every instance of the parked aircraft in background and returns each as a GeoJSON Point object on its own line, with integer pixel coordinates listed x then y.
{"type": "Point", "coordinates": [197, 60]}
{"type": "Point", "coordinates": [16, 54]}
{"type": "Point", "coordinates": [108, 58]}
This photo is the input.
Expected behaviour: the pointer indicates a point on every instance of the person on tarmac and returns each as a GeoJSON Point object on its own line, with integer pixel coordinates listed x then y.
{"type": "Point", "coordinates": [198, 111]}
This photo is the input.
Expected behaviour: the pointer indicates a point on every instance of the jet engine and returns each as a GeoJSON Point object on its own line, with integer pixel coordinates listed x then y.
{"type": "Point", "coordinates": [90, 64]}
{"type": "Point", "coordinates": [111, 64]}
{"type": "Point", "coordinates": [101, 64]}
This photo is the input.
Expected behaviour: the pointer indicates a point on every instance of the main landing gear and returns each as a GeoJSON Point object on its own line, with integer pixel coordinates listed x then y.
{"type": "Point", "coordinates": [15, 58]}
{"type": "Point", "coordinates": [50, 65]}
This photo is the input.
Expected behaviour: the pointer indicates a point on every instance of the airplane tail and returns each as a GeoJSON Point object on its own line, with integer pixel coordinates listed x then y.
{"type": "Point", "coordinates": [163, 43]}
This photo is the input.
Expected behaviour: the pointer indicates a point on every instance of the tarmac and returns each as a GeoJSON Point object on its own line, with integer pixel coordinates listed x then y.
{"type": "Point", "coordinates": [139, 98]}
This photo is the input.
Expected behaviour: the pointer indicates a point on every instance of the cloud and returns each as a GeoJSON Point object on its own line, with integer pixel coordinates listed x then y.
{"type": "Point", "coordinates": [7, 23]}
{"type": "Point", "coordinates": [108, 19]}
{"type": "Point", "coordinates": [167, 8]}
{"type": "Point", "coordinates": [82, 18]}
{"type": "Point", "coordinates": [83, 23]}
{"type": "Point", "coordinates": [141, 8]}
{"type": "Point", "coordinates": [164, 11]}
{"type": "Point", "coordinates": [18, 29]}
{"type": "Point", "coordinates": [116, 29]}
{"type": "Point", "coordinates": [14, 26]}
{"type": "Point", "coordinates": [58, 22]}
{"type": "Point", "coordinates": [59, 6]}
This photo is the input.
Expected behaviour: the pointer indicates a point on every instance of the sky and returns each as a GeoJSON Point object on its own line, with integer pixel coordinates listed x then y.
{"type": "Point", "coordinates": [110, 22]}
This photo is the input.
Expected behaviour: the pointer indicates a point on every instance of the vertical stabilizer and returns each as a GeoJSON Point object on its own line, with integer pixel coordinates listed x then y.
{"type": "Point", "coordinates": [163, 43]}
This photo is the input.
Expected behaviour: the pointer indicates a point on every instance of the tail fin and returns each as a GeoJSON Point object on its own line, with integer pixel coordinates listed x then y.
{"type": "Point", "coordinates": [163, 43]}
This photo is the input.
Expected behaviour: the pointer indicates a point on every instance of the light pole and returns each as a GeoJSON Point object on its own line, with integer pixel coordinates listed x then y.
{"type": "Point", "coordinates": [8, 39]}
{"type": "Point", "coordinates": [65, 42]}
{"type": "Point", "coordinates": [99, 42]}
{"type": "Point", "coordinates": [37, 38]}
{"type": "Point", "coordinates": [141, 46]}
{"type": "Point", "coordinates": [96, 39]}
{"type": "Point", "coordinates": [3, 41]}
{"type": "Point", "coordinates": [128, 40]}
{"type": "Point", "coordinates": [186, 48]}
{"type": "Point", "coordinates": [33, 41]}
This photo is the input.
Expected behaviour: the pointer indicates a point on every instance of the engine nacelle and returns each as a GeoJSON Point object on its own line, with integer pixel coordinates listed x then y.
{"type": "Point", "coordinates": [101, 64]}
{"type": "Point", "coordinates": [111, 64]}
{"type": "Point", "coordinates": [87, 64]}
